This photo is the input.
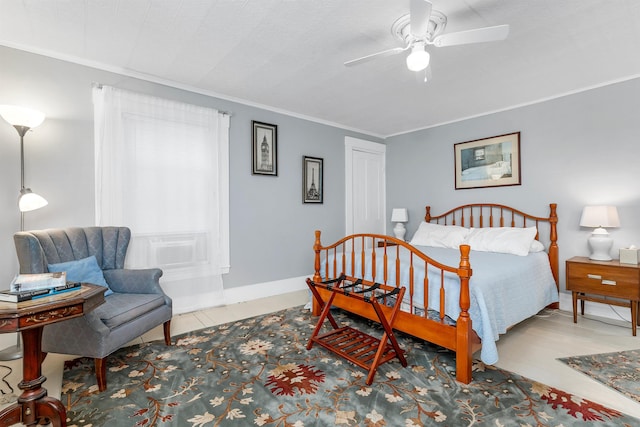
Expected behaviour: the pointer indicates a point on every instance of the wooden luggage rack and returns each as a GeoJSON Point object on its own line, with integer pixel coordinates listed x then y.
{"type": "Point", "coordinates": [357, 347]}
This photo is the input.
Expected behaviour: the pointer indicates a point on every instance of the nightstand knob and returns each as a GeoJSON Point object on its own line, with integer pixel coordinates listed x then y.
{"type": "Point", "coordinates": [594, 276]}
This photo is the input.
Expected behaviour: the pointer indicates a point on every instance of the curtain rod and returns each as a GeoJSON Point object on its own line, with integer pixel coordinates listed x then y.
{"type": "Point", "coordinates": [223, 112]}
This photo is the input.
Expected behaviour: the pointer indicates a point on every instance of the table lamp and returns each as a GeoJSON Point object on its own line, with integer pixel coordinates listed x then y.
{"type": "Point", "coordinates": [599, 217]}
{"type": "Point", "coordinates": [399, 216]}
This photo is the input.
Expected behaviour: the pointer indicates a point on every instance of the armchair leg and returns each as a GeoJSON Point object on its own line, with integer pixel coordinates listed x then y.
{"type": "Point", "coordinates": [167, 332]}
{"type": "Point", "coordinates": [101, 373]}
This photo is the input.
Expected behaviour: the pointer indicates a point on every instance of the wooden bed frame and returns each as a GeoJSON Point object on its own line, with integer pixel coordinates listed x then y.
{"type": "Point", "coordinates": [459, 337]}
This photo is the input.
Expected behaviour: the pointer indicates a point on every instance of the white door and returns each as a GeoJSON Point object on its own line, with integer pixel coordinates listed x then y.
{"type": "Point", "coordinates": [365, 186]}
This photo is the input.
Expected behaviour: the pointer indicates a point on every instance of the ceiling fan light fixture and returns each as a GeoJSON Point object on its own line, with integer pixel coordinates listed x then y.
{"type": "Point", "coordinates": [418, 59]}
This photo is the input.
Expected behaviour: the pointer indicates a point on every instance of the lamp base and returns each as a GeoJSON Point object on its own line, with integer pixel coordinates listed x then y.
{"type": "Point", "coordinates": [600, 245]}
{"type": "Point", "coordinates": [399, 231]}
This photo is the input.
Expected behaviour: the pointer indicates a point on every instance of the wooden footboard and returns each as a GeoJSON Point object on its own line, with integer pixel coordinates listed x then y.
{"type": "Point", "coordinates": [377, 258]}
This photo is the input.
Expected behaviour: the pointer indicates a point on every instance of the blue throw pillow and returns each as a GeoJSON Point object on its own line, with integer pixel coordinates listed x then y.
{"type": "Point", "coordinates": [84, 270]}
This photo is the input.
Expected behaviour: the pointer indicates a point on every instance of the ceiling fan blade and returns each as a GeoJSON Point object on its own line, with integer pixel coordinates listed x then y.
{"type": "Point", "coordinates": [382, 54]}
{"type": "Point", "coordinates": [419, 17]}
{"type": "Point", "coordinates": [479, 35]}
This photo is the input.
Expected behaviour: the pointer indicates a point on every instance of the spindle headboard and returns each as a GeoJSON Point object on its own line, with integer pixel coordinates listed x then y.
{"type": "Point", "coordinates": [481, 215]}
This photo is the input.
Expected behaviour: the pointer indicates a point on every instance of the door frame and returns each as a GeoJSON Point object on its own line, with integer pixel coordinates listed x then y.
{"type": "Point", "coordinates": [355, 144]}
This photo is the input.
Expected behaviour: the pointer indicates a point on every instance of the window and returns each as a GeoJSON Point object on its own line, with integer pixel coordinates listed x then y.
{"type": "Point", "coordinates": [162, 170]}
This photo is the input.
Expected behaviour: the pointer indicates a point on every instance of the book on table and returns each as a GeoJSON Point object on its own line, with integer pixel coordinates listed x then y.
{"type": "Point", "coordinates": [29, 282]}
{"type": "Point", "coordinates": [20, 296]}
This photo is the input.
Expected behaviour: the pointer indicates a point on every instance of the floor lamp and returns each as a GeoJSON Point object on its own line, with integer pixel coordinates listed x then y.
{"type": "Point", "coordinates": [22, 119]}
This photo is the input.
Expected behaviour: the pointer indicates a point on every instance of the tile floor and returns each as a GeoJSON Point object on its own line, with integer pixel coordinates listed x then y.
{"type": "Point", "coordinates": [530, 348]}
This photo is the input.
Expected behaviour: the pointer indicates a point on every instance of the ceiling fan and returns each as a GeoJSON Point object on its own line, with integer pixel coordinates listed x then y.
{"type": "Point", "coordinates": [424, 26]}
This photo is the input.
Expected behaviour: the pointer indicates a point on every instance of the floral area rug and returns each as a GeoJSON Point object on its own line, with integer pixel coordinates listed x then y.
{"type": "Point", "coordinates": [258, 372]}
{"type": "Point", "coordinates": [619, 370]}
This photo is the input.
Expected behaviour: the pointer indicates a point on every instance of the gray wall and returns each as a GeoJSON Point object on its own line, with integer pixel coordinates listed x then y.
{"type": "Point", "coordinates": [575, 150]}
{"type": "Point", "coordinates": [271, 230]}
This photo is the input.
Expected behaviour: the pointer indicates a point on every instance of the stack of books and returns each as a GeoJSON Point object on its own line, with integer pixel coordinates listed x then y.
{"type": "Point", "coordinates": [26, 287]}
{"type": "Point", "coordinates": [29, 282]}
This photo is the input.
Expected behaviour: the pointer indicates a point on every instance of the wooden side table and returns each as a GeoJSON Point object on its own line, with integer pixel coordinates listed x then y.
{"type": "Point", "coordinates": [29, 318]}
{"type": "Point", "coordinates": [607, 282]}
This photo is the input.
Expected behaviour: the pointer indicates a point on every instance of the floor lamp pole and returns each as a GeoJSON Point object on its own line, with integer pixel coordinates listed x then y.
{"type": "Point", "coordinates": [15, 351]}
{"type": "Point", "coordinates": [22, 119]}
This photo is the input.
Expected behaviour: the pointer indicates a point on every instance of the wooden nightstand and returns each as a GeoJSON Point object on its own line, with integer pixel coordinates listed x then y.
{"type": "Point", "coordinates": [607, 282]}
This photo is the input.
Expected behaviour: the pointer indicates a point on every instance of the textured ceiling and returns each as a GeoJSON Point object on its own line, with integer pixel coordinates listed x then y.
{"type": "Point", "coordinates": [288, 55]}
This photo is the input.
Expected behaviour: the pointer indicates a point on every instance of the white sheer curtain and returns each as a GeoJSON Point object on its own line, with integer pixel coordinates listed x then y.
{"type": "Point", "coordinates": [162, 170]}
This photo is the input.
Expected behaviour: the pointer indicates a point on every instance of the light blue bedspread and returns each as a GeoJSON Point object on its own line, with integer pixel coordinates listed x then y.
{"type": "Point", "coordinates": [504, 289]}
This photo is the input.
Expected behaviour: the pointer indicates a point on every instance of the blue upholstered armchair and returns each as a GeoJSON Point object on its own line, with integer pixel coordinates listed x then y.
{"type": "Point", "coordinates": [136, 305]}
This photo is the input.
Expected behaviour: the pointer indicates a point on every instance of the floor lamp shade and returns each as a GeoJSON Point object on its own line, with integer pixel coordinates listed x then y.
{"type": "Point", "coordinates": [21, 116]}
{"type": "Point", "coordinates": [600, 218]}
{"type": "Point", "coordinates": [30, 201]}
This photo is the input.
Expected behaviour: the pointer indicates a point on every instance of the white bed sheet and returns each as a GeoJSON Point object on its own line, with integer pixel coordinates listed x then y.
{"type": "Point", "coordinates": [504, 289]}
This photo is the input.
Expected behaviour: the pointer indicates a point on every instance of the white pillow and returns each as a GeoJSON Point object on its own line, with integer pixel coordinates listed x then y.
{"type": "Point", "coordinates": [536, 246]}
{"type": "Point", "coordinates": [439, 236]}
{"type": "Point", "coordinates": [508, 240]}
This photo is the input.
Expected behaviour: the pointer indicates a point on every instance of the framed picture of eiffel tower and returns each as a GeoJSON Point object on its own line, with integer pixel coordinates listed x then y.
{"type": "Point", "coordinates": [264, 149]}
{"type": "Point", "coordinates": [312, 185]}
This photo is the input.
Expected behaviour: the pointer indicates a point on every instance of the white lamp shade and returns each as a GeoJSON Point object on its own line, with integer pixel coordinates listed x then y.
{"type": "Point", "coordinates": [599, 216]}
{"type": "Point", "coordinates": [418, 59]}
{"type": "Point", "coordinates": [30, 201]}
{"type": "Point", "coordinates": [399, 215]}
{"type": "Point", "coordinates": [21, 116]}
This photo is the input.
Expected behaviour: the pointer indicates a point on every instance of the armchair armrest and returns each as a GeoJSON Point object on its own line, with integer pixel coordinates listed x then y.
{"type": "Point", "coordinates": [142, 281]}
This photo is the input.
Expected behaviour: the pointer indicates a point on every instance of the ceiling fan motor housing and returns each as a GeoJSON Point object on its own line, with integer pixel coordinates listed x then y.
{"type": "Point", "coordinates": [401, 28]}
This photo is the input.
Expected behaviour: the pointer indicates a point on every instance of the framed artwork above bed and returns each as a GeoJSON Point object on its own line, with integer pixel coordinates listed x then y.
{"type": "Point", "coordinates": [488, 162]}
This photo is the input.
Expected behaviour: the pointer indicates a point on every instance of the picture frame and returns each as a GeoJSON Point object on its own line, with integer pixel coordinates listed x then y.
{"type": "Point", "coordinates": [488, 162]}
{"type": "Point", "coordinates": [264, 149]}
{"type": "Point", "coordinates": [312, 179]}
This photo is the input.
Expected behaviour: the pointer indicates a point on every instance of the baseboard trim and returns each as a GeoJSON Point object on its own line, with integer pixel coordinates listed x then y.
{"type": "Point", "coordinates": [596, 309]}
{"type": "Point", "coordinates": [263, 290]}
{"type": "Point", "coordinates": [189, 303]}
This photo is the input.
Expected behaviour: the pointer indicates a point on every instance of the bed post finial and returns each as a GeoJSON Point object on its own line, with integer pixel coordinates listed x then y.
{"type": "Point", "coordinates": [315, 309]}
{"type": "Point", "coordinates": [427, 216]}
{"type": "Point", "coordinates": [464, 272]}
{"type": "Point", "coordinates": [464, 351]}
{"type": "Point", "coordinates": [316, 265]}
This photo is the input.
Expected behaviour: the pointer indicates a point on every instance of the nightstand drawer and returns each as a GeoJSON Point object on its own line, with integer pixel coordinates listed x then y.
{"type": "Point", "coordinates": [603, 280]}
